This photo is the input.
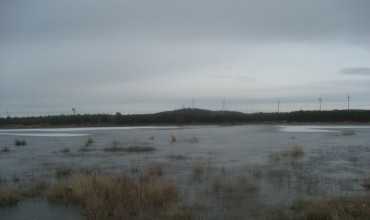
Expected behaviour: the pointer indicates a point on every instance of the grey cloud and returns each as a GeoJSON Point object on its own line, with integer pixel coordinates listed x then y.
{"type": "Point", "coordinates": [55, 54]}
{"type": "Point", "coordinates": [284, 19]}
{"type": "Point", "coordinates": [356, 71]}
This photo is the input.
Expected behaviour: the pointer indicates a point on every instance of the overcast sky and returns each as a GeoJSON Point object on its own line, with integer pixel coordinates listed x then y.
{"type": "Point", "coordinates": [147, 56]}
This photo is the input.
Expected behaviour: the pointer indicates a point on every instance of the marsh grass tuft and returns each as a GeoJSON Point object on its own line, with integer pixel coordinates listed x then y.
{"type": "Point", "coordinates": [234, 185]}
{"type": "Point", "coordinates": [173, 139]}
{"type": "Point", "coordinates": [5, 150]}
{"type": "Point", "coordinates": [90, 141]}
{"type": "Point", "coordinates": [366, 183]}
{"type": "Point", "coordinates": [118, 197]}
{"type": "Point", "coordinates": [63, 173]}
{"type": "Point", "coordinates": [65, 150]}
{"type": "Point", "coordinates": [332, 209]}
{"type": "Point", "coordinates": [293, 153]}
{"type": "Point", "coordinates": [8, 196]}
{"type": "Point", "coordinates": [154, 170]}
{"type": "Point", "coordinates": [177, 157]}
{"type": "Point", "coordinates": [129, 149]}
{"type": "Point", "coordinates": [19, 142]}
{"type": "Point", "coordinates": [200, 170]}
{"type": "Point", "coordinates": [33, 190]}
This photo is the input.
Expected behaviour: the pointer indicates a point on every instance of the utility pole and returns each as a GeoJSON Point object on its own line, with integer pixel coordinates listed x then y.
{"type": "Point", "coordinates": [320, 104]}
{"type": "Point", "coordinates": [223, 105]}
{"type": "Point", "coordinates": [348, 100]}
{"type": "Point", "coordinates": [278, 106]}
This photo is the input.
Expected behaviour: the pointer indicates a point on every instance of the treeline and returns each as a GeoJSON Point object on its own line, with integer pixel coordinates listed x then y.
{"type": "Point", "coordinates": [186, 116]}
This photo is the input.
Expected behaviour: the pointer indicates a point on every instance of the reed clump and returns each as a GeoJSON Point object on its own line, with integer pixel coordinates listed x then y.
{"type": "Point", "coordinates": [130, 149]}
{"type": "Point", "coordinates": [117, 197]}
{"type": "Point", "coordinates": [8, 196]}
{"type": "Point", "coordinates": [332, 209]}
{"type": "Point", "coordinates": [292, 153]}
{"type": "Point", "coordinates": [19, 142]}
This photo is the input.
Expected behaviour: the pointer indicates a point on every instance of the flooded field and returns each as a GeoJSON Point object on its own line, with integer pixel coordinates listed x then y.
{"type": "Point", "coordinates": [227, 172]}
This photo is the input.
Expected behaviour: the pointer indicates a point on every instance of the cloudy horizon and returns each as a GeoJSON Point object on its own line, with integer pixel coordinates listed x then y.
{"type": "Point", "coordinates": [148, 56]}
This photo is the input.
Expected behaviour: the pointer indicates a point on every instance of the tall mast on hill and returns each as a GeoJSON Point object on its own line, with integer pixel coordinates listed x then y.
{"type": "Point", "coordinates": [348, 100]}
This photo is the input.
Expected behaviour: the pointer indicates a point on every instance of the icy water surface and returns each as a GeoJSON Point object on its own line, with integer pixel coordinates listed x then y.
{"type": "Point", "coordinates": [336, 158]}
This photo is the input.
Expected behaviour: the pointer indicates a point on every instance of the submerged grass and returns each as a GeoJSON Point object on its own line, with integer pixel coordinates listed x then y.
{"type": "Point", "coordinates": [333, 209]}
{"type": "Point", "coordinates": [292, 153]}
{"type": "Point", "coordinates": [130, 149]}
{"type": "Point", "coordinates": [234, 186]}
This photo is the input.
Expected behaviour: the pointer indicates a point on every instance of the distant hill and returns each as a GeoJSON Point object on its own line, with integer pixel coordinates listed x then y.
{"type": "Point", "coordinates": [187, 116]}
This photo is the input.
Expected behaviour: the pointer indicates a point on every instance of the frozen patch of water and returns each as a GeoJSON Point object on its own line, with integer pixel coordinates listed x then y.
{"type": "Point", "coordinates": [69, 132]}
{"type": "Point", "coordinates": [86, 129]}
{"type": "Point", "coordinates": [35, 209]}
{"type": "Point", "coordinates": [319, 128]}
{"type": "Point", "coordinates": [44, 134]}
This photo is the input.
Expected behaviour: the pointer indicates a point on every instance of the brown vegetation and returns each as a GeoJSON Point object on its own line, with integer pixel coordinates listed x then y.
{"type": "Point", "coordinates": [130, 149]}
{"type": "Point", "coordinates": [8, 196]}
{"type": "Point", "coordinates": [238, 185]}
{"type": "Point", "coordinates": [333, 209]}
{"type": "Point", "coordinates": [293, 153]}
{"type": "Point", "coordinates": [119, 197]}
{"type": "Point", "coordinates": [116, 147]}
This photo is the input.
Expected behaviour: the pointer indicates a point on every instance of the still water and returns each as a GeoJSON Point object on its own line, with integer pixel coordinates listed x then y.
{"type": "Point", "coordinates": [336, 158]}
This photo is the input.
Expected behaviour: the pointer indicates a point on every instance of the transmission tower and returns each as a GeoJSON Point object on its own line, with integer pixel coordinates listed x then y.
{"type": "Point", "coordinates": [320, 104]}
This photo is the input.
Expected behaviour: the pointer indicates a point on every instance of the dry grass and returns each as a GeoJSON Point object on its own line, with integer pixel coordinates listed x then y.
{"type": "Point", "coordinates": [130, 149]}
{"type": "Point", "coordinates": [85, 149]}
{"type": "Point", "coordinates": [293, 153]}
{"type": "Point", "coordinates": [116, 147]}
{"type": "Point", "coordinates": [333, 209]}
{"type": "Point", "coordinates": [33, 190]}
{"type": "Point", "coordinates": [199, 169]}
{"type": "Point", "coordinates": [366, 183]}
{"type": "Point", "coordinates": [9, 196]}
{"type": "Point", "coordinates": [154, 170]}
{"type": "Point", "coordinates": [5, 150]}
{"type": "Point", "coordinates": [63, 172]}
{"type": "Point", "coordinates": [177, 157]}
{"type": "Point", "coordinates": [237, 185]}
{"type": "Point", "coordinates": [111, 197]}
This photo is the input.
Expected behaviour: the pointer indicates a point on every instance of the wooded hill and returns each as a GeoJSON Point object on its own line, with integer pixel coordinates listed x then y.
{"type": "Point", "coordinates": [186, 117]}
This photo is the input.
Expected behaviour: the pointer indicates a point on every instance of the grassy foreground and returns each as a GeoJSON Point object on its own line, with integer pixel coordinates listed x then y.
{"type": "Point", "coordinates": [149, 195]}
{"type": "Point", "coordinates": [108, 197]}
